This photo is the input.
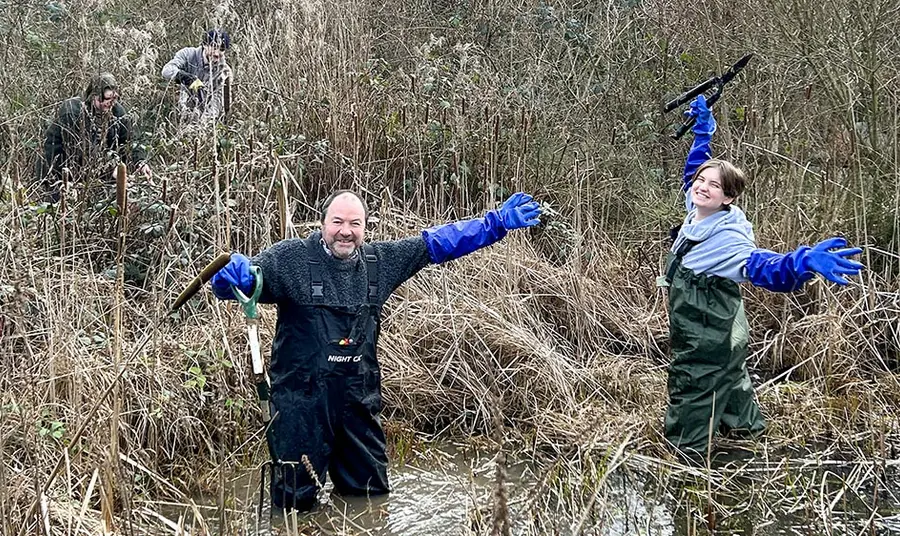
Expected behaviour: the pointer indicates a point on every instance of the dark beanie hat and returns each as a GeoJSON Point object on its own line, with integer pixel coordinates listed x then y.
{"type": "Point", "coordinates": [217, 38]}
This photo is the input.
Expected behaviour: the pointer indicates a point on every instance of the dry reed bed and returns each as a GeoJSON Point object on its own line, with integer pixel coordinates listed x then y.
{"type": "Point", "coordinates": [563, 334]}
{"type": "Point", "coordinates": [572, 363]}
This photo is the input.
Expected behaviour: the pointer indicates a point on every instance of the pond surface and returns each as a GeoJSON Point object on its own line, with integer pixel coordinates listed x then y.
{"type": "Point", "coordinates": [447, 489]}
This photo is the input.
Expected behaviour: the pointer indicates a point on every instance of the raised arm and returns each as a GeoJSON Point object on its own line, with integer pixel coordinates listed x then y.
{"type": "Point", "coordinates": [787, 272]}
{"type": "Point", "coordinates": [700, 151]}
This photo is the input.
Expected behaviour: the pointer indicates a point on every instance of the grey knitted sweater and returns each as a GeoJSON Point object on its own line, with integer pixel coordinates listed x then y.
{"type": "Point", "coordinates": [286, 277]}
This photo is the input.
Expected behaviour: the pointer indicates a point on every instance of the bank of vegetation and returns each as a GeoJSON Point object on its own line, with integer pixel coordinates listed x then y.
{"type": "Point", "coordinates": [551, 345]}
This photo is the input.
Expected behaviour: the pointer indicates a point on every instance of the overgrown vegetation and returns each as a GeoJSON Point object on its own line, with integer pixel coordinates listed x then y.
{"type": "Point", "coordinates": [437, 109]}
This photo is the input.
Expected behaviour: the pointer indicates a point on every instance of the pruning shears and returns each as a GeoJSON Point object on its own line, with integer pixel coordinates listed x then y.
{"type": "Point", "coordinates": [716, 83]}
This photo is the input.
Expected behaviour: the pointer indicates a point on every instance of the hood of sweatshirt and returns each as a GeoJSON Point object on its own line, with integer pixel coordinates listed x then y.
{"type": "Point", "coordinates": [725, 241]}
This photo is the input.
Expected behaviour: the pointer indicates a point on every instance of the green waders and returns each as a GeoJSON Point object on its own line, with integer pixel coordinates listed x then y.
{"type": "Point", "coordinates": [709, 386]}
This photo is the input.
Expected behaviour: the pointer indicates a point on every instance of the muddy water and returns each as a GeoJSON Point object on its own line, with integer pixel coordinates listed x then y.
{"type": "Point", "coordinates": [447, 490]}
{"type": "Point", "coordinates": [442, 491]}
{"type": "Point", "coordinates": [434, 494]}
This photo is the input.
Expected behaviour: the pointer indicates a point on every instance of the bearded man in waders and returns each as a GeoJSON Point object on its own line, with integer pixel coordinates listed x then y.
{"type": "Point", "coordinates": [326, 382]}
{"type": "Point", "coordinates": [709, 387]}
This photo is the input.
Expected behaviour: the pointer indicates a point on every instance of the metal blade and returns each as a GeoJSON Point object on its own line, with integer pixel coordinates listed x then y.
{"type": "Point", "coordinates": [689, 95]}
{"type": "Point", "coordinates": [205, 275]}
{"type": "Point", "coordinates": [735, 69]}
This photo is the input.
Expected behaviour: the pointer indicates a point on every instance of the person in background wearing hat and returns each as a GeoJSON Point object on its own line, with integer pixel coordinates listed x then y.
{"type": "Point", "coordinates": [201, 72]}
{"type": "Point", "coordinates": [86, 131]}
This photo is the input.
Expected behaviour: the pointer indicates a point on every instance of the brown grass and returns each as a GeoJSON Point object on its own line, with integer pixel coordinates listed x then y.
{"type": "Point", "coordinates": [436, 111]}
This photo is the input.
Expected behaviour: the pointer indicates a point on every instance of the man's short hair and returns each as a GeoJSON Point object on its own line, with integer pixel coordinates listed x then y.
{"type": "Point", "coordinates": [218, 38]}
{"type": "Point", "coordinates": [323, 206]}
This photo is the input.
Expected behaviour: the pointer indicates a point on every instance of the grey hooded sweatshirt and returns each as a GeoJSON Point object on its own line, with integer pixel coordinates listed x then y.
{"type": "Point", "coordinates": [188, 65]}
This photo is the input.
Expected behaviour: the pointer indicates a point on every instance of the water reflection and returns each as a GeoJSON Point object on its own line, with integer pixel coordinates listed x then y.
{"type": "Point", "coordinates": [446, 489]}
{"type": "Point", "coordinates": [436, 492]}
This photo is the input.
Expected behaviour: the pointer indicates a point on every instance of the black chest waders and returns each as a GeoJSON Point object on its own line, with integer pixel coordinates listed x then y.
{"type": "Point", "coordinates": [708, 384]}
{"type": "Point", "coordinates": [326, 393]}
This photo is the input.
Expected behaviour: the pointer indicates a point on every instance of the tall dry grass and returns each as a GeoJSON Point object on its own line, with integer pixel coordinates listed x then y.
{"type": "Point", "coordinates": [436, 110]}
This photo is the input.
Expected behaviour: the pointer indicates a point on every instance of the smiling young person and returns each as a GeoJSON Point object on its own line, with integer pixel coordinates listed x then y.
{"type": "Point", "coordinates": [714, 251]}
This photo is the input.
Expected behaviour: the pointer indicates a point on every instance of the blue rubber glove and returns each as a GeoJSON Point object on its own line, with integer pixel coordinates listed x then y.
{"type": "Point", "coordinates": [703, 129]}
{"type": "Point", "coordinates": [788, 272]}
{"type": "Point", "coordinates": [520, 210]}
{"type": "Point", "coordinates": [832, 265]}
{"type": "Point", "coordinates": [453, 240]}
{"type": "Point", "coordinates": [236, 273]}
{"type": "Point", "coordinates": [705, 125]}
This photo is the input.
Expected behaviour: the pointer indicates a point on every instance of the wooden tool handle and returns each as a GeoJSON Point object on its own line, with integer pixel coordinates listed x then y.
{"type": "Point", "coordinates": [205, 275]}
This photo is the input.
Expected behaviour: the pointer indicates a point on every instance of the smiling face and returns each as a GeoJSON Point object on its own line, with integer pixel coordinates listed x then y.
{"type": "Point", "coordinates": [707, 192]}
{"type": "Point", "coordinates": [103, 104]}
{"type": "Point", "coordinates": [344, 225]}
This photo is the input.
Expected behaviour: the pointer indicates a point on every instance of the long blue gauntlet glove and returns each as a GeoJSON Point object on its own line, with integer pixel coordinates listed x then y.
{"type": "Point", "coordinates": [703, 130]}
{"type": "Point", "coordinates": [520, 210]}
{"type": "Point", "coordinates": [833, 265]}
{"type": "Point", "coordinates": [236, 273]}
{"type": "Point", "coordinates": [788, 272]}
{"type": "Point", "coordinates": [453, 240]}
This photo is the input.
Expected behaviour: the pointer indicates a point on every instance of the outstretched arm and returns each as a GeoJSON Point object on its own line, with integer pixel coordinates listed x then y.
{"type": "Point", "coordinates": [787, 272]}
{"type": "Point", "coordinates": [453, 240]}
{"type": "Point", "coordinates": [235, 274]}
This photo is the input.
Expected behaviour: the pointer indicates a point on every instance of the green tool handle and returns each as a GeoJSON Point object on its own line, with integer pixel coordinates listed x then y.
{"type": "Point", "coordinates": [249, 304]}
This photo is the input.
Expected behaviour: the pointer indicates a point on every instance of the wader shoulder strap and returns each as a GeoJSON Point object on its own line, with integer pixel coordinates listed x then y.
{"type": "Point", "coordinates": [682, 250]}
{"type": "Point", "coordinates": [371, 271]}
{"type": "Point", "coordinates": [315, 270]}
